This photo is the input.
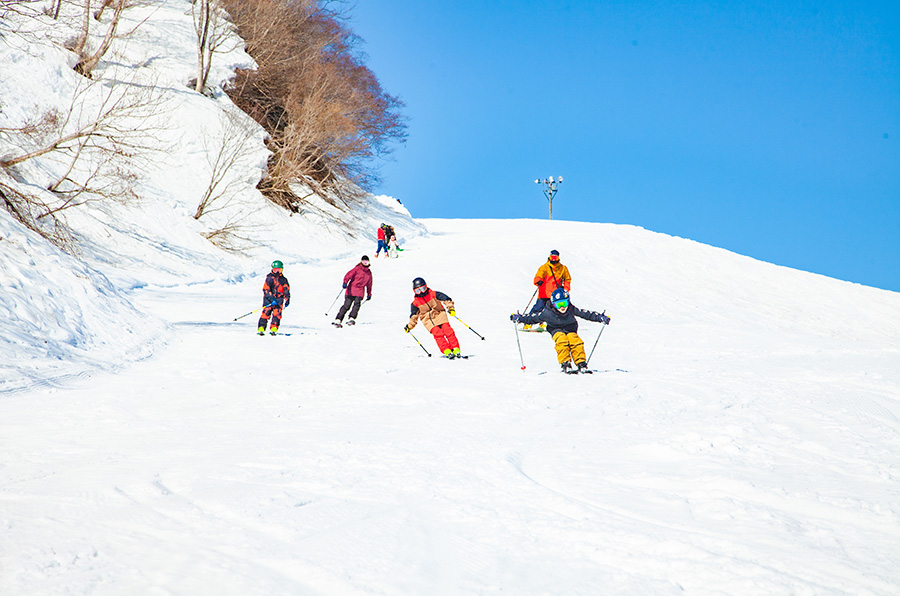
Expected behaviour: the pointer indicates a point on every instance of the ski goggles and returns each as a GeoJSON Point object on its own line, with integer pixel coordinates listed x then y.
{"type": "Point", "coordinates": [420, 290]}
{"type": "Point", "coordinates": [554, 258]}
{"type": "Point", "coordinates": [276, 270]}
{"type": "Point", "coordinates": [561, 303]}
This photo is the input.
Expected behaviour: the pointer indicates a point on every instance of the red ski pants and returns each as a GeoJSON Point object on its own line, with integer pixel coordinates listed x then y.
{"type": "Point", "coordinates": [445, 337]}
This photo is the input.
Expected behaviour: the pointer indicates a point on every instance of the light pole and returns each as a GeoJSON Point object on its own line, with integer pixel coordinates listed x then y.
{"type": "Point", "coordinates": [550, 188]}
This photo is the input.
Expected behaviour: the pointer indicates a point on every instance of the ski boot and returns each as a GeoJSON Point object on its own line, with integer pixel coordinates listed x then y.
{"type": "Point", "coordinates": [457, 353]}
{"type": "Point", "coordinates": [526, 327]}
{"type": "Point", "coordinates": [351, 321]}
{"type": "Point", "coordinates": [582, 368]}
{"type": "Point", "coordinates": [261, 331]}
{"type": "Point", "coordinates": [567, 368]}
{"type": "Point", "coordinates": [273, 330]}
{"type": "Point", "coordinates": [449, 354]}
{"type": "Point", "coordinates": [336, 323]}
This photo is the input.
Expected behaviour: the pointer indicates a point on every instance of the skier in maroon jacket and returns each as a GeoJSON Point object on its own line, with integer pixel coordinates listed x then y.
{"type": "Point", "coordinates": [358, 283]}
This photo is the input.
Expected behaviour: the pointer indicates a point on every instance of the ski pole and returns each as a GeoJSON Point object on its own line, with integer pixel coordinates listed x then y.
{"type": "Point", "coordinates": [420, 344]}
{"type": "Point", "coordinates": [595, 342]}
{"type": "Point", "coordinates": [253, 311]}
{"type": "Point", "coordinates": [333, 301]}
{"type": "Point", "coordinates": [469, 328]}
{"type": "Point", "coordinates": [530, 299]}
{"type": "Point", "coordinates": [522, 360]}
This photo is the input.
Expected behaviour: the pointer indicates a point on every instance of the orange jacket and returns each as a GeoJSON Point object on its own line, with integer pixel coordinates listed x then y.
{"type": "Point", "coordinates": [553, 275]}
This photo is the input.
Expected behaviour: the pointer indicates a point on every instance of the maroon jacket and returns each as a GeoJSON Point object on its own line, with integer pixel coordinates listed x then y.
{"type": "Point", "coordinates": [358, 281]}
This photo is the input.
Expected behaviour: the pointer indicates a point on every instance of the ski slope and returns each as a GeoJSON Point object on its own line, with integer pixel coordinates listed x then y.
{"type": "Point", "coordinates": [743, 438]}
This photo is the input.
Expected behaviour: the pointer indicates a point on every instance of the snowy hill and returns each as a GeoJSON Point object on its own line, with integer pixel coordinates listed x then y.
{"type": "Point", "coordinates": [742, 435]}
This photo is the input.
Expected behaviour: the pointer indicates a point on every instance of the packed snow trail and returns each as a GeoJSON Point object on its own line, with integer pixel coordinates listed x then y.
{"type": "Point", "coordinates": [751, 446]}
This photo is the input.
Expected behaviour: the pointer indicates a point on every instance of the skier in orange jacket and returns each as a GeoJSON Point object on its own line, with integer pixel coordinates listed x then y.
{"type": "Point", "coordinates": [550, 275]}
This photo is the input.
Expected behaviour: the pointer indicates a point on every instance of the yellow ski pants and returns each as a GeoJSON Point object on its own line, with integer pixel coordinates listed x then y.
{"type": "Point", "coordinates": [569, 345]}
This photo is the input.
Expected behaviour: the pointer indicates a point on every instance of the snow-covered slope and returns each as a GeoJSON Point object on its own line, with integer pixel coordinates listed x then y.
{"type": "Point", "coordinates": [742, 435]}
{"type": "Point", "coordinates": [61, 317]}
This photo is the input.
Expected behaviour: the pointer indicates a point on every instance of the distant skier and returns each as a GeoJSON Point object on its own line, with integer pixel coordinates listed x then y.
{"type": "Point", "coordinates": [384, 235]}
{"type": "Point", "coordinates": [560, 316]}
{"type": "Point", "coordinates": [431, 307]}
{"type": "Point", "coordinates": [276, 297]}
{"type": "Point", "coordinates": [393, 248]}
{"type": "Point", "coordinates": [358, 283]}
{"type": "Point", "coordinates": [382, 241]}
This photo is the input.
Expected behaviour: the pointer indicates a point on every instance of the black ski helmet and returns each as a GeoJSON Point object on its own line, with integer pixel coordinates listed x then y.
{"type": "Point", "coordinates": [419, 283]}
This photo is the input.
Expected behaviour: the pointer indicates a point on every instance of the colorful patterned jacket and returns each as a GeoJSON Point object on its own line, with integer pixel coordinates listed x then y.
{"type": "Point", "coordinates": [277, 290]}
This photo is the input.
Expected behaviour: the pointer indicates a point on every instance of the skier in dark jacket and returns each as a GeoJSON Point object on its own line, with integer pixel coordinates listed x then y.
{"type": "Point", "coordinates": [276, 297]}
{"type": "Point", "coordinates": [561, 324]}
{"type": "Point", "coordinates": [358, 283]}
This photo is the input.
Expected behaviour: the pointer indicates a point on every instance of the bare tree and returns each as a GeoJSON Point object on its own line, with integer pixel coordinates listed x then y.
{"type": "Point", "coordinates": [92, 147]}
{"type": "Point", "coordinates": [86, 63]}
{"type": "Point", "coordinates": [232, 147]}
{"type": "Point", "coordinates": [212, 28]}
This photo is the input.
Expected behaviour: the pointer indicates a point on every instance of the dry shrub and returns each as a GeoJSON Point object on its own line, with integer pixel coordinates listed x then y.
{"type": "Point", "coordinates": [325, 111]}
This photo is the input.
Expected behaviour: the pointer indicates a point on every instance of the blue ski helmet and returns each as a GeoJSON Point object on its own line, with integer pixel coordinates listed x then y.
{"type": "Point", "coordinates": [559, 298]}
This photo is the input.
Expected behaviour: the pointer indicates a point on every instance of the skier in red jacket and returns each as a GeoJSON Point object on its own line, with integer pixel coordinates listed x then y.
{"type": "Point", "coordinates": [382, 240]}
{"type": "Point", "coordinates": [358, 283]}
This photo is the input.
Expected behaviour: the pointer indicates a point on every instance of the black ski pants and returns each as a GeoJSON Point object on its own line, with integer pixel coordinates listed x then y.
{"type": "Point", "coordinates": [351, 303]}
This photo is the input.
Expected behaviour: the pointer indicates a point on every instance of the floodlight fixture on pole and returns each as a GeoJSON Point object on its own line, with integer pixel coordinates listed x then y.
{"type": "Point", "coordinates": [550, 188]}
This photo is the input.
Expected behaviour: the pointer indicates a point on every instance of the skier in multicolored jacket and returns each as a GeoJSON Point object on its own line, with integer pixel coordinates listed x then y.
{"type": "Point", "coordinates": [431, 307]}
{"type": "Point", "coordinates": [358, 283]}
{"type": "Point", "coordinates": [276, 297]}
{"type": "Point", "coordinates": [561, 324]}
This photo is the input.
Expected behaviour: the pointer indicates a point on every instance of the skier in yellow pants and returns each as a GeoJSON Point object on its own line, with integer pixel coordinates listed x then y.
{"type": "Point", "coordinates": [562, 326]}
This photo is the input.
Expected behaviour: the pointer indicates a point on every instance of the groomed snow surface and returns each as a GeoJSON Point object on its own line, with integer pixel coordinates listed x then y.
{"type": "Point", "coordinates": [740, 437]}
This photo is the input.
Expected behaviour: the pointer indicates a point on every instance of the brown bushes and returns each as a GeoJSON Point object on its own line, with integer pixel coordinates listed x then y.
{"type": "Point", "coordinates": [325, 111]}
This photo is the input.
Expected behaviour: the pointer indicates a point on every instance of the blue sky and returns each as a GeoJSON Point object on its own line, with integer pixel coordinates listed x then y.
{"type": "Point", "coordinates": [771, 129]}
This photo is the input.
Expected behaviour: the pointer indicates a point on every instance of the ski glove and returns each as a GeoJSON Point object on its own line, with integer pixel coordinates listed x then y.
{"type": "Point", "coordinates": [515, 317]}
{"type": "Point", "coordinates": [370, 297]}
{"type": "Point", "coordinates": [406, 328]}
{"type": "Point", "coordinates": [344, 286]}
{"type": "Point", "coordinates": [286, 304]}
{"type": "Point", "coordinates": [539, 283]}
{"type": "Point", "coordinates": [452, 312]}
{"type": "Point", "coordinates": [604, 319]}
